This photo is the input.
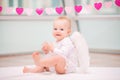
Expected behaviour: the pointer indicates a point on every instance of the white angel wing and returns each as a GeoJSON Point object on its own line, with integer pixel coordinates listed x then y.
{"type": "Point", "coordinates": [82, 51]}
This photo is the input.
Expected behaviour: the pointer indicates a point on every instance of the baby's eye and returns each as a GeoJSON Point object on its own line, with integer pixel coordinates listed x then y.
{"type": "Point", "coordinates": [55, 28]}
{"type": "Point", "coordinates": [61, 29]}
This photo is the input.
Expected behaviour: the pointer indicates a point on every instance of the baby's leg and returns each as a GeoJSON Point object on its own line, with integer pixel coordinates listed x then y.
{"type": "Point", "coordinates": [36, 57]}
{"type": "Point", "coordinates": [33, 70]}
{"type": "Point", "coordinates": [57, 61]}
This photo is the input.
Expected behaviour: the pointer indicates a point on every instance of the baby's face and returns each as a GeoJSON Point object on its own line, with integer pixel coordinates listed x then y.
{"type": "Point", "coordinates": [61, 29]}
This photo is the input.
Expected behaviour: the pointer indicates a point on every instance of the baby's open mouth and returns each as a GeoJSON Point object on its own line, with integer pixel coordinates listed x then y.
{"type": "Point", "coordinates": [58, 35]}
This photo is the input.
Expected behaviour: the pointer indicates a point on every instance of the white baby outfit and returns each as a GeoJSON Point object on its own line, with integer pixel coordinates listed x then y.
{"type": "Point", "coordinates": [66, 49]}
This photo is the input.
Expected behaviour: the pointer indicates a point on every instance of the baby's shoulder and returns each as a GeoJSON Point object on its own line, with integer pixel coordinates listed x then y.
{"type": "Point", "coordinates": [66, 39]}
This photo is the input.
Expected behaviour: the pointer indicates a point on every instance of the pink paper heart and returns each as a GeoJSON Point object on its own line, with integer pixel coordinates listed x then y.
{"type": "Point", "coordinates": [19, 11]}
{"type": "Point", "coordinates": [108, 4]}
{"type": "Point", "coordinates": [78, 8]}
{"type": "Point", "coordinates": [68, 9]}
{"type": "Point", "coordinates": [98, 5]}
{"type": "Point", "coordinates": [28, 11]}
{"type": "Point", "coordinates": [117, 2]}
{"type": "Point", "coordinates": [48, 11]}
{"type": "Point", "coordinates": [0, 8]}
{"type": "Point", "coordinates": [9, 10]}
{"type": "Point", "coordinates": [59, 10]}
{"type": "Point", "coordinates": [88, 7]}
{"type": "Point", "coordinates": [39, 11]}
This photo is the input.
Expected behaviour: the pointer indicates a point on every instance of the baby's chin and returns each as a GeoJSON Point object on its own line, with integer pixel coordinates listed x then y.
{"type": "Point", "coordinates": [59, 39]}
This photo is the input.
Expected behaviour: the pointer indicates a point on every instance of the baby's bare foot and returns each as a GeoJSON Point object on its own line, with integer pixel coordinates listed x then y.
{"type": "Point", "coordinates": [25, 70]}
{"type": "Point", "coordinates": [36, 57]}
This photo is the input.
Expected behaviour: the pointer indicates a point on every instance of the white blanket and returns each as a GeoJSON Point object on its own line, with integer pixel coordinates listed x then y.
{"type": "Point", "coordinates": [95, 73]}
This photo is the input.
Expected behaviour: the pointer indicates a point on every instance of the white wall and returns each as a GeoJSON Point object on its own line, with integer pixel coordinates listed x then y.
{"type": "Point", "coordinates": [23, 36]}
{"type": "Point", "coordinates": [26, 36]}
{"type": "Point", "coordinates": [101, 34]}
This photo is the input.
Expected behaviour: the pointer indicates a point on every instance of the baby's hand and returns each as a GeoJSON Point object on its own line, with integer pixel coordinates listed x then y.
{"type": "Point", "coordinates": [51, 47]}
{"type": "Point", "coordinates": [45, 47]}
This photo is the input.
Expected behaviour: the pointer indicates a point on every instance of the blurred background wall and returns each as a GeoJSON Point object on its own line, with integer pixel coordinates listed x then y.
{"type": "Point", "coordinates": [22, 34]}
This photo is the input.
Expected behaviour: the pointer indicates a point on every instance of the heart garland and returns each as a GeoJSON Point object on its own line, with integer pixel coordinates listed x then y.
{"type": "Point", "coordinates": [59, 10]}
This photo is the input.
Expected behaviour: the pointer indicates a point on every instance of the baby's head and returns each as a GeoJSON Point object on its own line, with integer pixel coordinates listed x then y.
{"type": "Point", "coordinates": [61, 27]}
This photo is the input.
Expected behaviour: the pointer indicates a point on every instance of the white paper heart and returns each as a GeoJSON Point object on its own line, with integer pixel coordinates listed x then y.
{"type": "Point", "coordinates": [29, 11]}
{"type": "Point", "coordinates": [88, 7]}
{"type": "Point", "coordinates": [49, 11]}
{"type": "Point", "coordinates": [9, 10]}
{"type": "Point", "coordinates": [68, 9]}
{"type": "Point", "coordinates": [108, 4]}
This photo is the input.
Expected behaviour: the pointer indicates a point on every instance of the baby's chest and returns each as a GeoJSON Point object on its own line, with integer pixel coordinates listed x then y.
{"type": "Point", "coordinates": [58, 45]}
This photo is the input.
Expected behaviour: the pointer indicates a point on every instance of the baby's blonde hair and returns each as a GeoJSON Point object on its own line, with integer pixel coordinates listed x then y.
{"type": "Point", "coordinates": [65, 18]}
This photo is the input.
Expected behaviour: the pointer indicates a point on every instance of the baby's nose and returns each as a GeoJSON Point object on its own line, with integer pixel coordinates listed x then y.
{"type": "Point", "coordinates": [58, 30]}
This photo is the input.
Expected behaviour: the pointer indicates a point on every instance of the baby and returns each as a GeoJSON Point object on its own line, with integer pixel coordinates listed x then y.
{"type": "Point", "coordinates": [61, 55]}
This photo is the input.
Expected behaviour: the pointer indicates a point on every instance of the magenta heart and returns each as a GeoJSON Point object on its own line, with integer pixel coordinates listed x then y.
{"type": "Point", "coordinates": [117, 2]}
{"type": "Point", "coordinates": [19, 11]}
{"type": "Point", "coordinates": [0, 8]}
{"type": "Point", "coordinates": [98, 5]}
{"type": "Point", "coordinates": [39, 11]}
{"type": "Point", "coordinates": [59, 10]}
{"type": "Point", "coordinates": [78, 8]}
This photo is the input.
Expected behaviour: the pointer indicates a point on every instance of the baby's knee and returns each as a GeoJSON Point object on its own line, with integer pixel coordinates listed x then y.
{"type": "Point", "coordinates": [60, 67]}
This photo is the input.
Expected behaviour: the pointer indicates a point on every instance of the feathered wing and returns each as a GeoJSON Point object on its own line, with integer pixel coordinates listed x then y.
{"type": "Point", "coordinates": [82, 51]}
